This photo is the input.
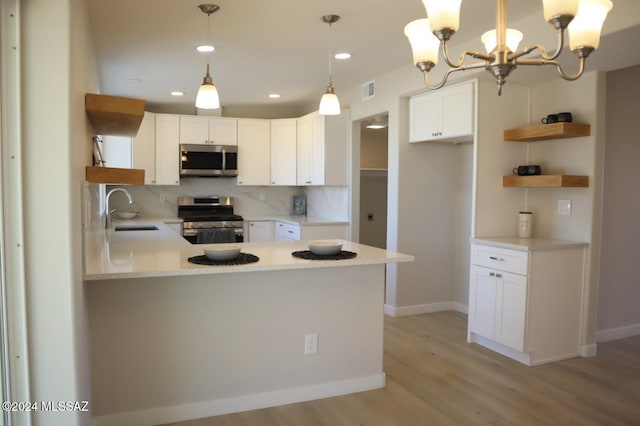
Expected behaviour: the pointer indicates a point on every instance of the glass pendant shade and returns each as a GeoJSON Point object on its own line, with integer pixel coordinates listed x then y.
{"type": "Point", "coordinates": [424, 44]}
{"type": "Point", "coordinates": [554, 8]}
{"type": "Point", "coordinates": [443, 13]}
{"type": "Point", "coordinates": [207, 97]}
{"type": "Point", "coordinates": [585, 28]}
{"type": "Point", "coordinates": [514, 37]}
{"type": "Point", "coordinates": [329, 103]}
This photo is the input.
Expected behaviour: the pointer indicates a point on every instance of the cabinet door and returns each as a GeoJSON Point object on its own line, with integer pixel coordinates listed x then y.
{"type": "Point", "coordinates": [167, 149]}
{"type": "Point", "coordinates": [223, 131]}
{"type": "Point", "coordinates": [511, 309]}
{"type": "Point", "coordinates": [303, 150]}
{"type": "Point", "coordinates": [116, 151]}
{"type": "Point", "coordinates": [283, 152]}
{"type": "Point", "coordinates": [254, 163]}
{"type": "Point", "coordinates": [144, 148]}
{"type": "Point", "coordinates": [194, 129]}
{"type": "Point", "coordinates": [318, 149]}
{"type": "Point", "coordinates": [482, 301]}
{"type": "Point", "coordinates": [260, 231]}
{"type": "Point", "coordinates": [456, 111]}
{"type": "Point", "coordinates": [424, 119]}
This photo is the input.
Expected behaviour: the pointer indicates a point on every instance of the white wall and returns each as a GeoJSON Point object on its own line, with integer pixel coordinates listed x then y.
{"type": "Point", "coordinates": [56, 147]}
{"type": "Point", "coordinates": [618, 294]}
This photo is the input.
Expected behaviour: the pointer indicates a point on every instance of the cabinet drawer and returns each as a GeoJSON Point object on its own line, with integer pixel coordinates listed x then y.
{"type": "Point", "coordinates": [514, 261]}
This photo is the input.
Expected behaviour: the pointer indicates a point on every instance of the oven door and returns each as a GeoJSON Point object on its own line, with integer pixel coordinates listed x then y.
{"type": "Point", "coordinates": [207, 236]}
{"type": "Point", "coordinates": [208, 160]}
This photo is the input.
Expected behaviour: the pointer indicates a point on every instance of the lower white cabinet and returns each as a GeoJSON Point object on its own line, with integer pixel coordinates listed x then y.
{"type": "Point", "coordinates": [525, 302]}
{"type": "Point", "coordinates": [287, 232]}
{"type": "Point", "coordinates": [259, 230]}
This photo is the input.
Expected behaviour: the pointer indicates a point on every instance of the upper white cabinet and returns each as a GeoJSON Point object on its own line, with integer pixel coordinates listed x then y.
{"type": "Point", "coordinates": [254, 149]}
{"type": "Point", "coordinates": [283, 151]}
{"type": "Point", "coordinates": [322, 149]}
{"type": "Point", "coordinates": [443, 115]}
{"type": "Point", "coordinates": [167, 149]}
{"type": "Point", "coordinates": [144, 148]}
{"type": "Point", "coordinates": [208, 130]}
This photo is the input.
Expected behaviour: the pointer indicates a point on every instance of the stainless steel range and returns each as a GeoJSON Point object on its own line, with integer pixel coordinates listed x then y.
{"type": "Point", "coordinates": [210, 220]}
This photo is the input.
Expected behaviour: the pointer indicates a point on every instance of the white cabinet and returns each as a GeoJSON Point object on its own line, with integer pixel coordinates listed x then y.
{"type": "Point", "coordinates": [208, 130]}
{"type": "Point", "coordinates": [167, 149]}
{"type": "Point", "coordinates": [443, 115]}
{"type": "Point", "coordinates": [254, 151]}
{"type": "Point", "coordinates": [526, 303]}
{"type": "Point", "coordinates": [144, 148]}
{"type": "Point", "coordinates": [322, 149]}
{"type": "Point", "coordinates": [260, 230]}
{"type": "Point", "coordinates": [287, 232]}
{"type": "Point", "coordinates": [283, 151]}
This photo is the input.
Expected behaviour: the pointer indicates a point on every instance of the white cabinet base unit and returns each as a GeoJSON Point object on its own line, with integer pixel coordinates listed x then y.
{"type": "Point", "coordinates": [259, 230]}
{"type": "Point", "coordinates": [526, 297]}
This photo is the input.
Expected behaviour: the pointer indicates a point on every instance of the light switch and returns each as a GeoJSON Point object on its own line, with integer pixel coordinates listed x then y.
{"type": "Point", "coordinates": [564, 207]}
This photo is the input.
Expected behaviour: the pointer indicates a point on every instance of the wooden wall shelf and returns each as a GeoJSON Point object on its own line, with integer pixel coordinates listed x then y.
{"type": "Point", "coordinates": [115, 175]}
{"type": "Point", "coordinates": [113, 115]}
{"type": "Point", "coordinates": [546, 181]}
{"type": "Point", "coordinates": [545, 132]}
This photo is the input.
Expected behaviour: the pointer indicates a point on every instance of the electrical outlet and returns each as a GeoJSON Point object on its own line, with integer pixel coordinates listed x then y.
{"type": "Point", "coordinates": [262, 196]}
{"type": "Point", "coordinates": [162, 198]}
{"type": "Point", "coordinates": [564, 207]}
{"type": "Point", "coordinates": [311, 344]}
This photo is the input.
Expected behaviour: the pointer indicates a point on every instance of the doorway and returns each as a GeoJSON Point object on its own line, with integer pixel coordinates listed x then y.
{"type": "Point", "coordinates": [374, 141]}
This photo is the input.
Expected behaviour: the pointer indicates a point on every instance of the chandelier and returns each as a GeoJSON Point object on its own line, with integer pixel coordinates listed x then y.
{"type": "Point", "coordinates": [582, 18]}
{"type": "Point", "coordinates": [207, 97]}
{"type": "Point", "coordinates": [329, 103]}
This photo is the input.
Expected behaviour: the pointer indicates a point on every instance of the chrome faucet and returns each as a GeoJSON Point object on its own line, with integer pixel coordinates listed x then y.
{"type": "Point", "coordinates": [107, 222]}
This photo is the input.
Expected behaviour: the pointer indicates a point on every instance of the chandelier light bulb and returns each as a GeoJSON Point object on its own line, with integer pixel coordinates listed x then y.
{"type": "Point", "coordinates": [553, 8]}
{"type": "Point", "coordinates": [514, 37]}
{"type": "Point", "coordinates": [585, 28]}
{"type": "Point", "coordinates": [443, 14]}
{"type": "Point", "coordinates": [424, 44]}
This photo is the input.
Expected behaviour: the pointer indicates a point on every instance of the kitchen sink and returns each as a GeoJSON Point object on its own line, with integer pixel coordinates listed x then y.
{"type": "Point", "coordinates": [136, 228]}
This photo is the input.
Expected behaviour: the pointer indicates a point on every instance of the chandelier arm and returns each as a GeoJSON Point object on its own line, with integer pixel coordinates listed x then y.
{"type": "Point", "coordinates": [543, 52]}
{"type": "Point", "coordinates": [482, 64]}
{"type": "Point", "coordinates": [557, 65]}
{"type": "Point", "coordinates": [476, 55]}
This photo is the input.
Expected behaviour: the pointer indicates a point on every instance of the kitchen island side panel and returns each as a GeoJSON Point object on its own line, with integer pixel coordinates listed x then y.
{"type": "Point", "coordinates": [161, 343]}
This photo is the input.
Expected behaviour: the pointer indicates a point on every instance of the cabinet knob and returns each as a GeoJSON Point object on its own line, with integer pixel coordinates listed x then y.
{"type": "Point", "coordinates": [308, 181]}
{"type": "Point", "coordinates": [498, 275]}
{"type": "Point", "coordinates": [492, 274]}
{"type": "Point", "coordinates": [499, 259]}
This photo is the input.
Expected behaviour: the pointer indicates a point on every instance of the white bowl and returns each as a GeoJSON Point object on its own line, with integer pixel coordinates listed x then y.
{"type": "Point", "coordinates": [222, 252]}
{"type": "Point", "coordinates": [126, 215]}
{"type": "Point", "coordinates": [325, 247]}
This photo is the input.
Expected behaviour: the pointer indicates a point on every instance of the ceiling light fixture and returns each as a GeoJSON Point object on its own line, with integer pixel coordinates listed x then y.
{"type": "Point", "coordinates": [343, 55]}
{"type": "Point", "coordinates": [330, 104]}
{"type": "Point", "coordinates": [583, 18]}
{"type": "Point", "coordinates": [207, 97]}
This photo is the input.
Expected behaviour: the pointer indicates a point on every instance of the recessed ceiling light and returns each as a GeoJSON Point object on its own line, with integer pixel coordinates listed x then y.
{"type": "Point", "coordinates": [177, 93]}
{"type": "Point", "coordinates": [205, 48]}
{"type": "Point", "coordinates": [343, 55]}
{"type": "Point", "coordinates": [376, 126]}
{"type": "Point", "coordinates": [274, 95]}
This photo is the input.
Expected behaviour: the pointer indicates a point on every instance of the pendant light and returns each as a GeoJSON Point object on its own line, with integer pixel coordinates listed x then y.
{"type": "Point", "coordinates": [207, 97]}
{"type": "Point", "coordinates": [329, 104]}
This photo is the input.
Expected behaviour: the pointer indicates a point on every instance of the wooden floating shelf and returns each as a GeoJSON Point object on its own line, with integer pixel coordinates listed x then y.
{"type": "Point", "coordinates": [113, 115]}
{"type": "Point", "coordinates": [546, 181]}
{"type": "Point", "coordinates": [543, 132]}
{"type": "Point", "coordinates": [115, 175]}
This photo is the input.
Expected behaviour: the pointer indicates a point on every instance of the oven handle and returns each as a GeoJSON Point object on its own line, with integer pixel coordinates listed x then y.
{"type": "Point", "coordinates": [191, 232]}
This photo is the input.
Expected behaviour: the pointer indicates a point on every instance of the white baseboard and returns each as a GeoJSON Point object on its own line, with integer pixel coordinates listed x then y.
{"type": "Point", "coordinates": [587, 351]}
{"type": "Point", "coordinates": [617, 333]}
{"type": "Point", "coordinates": [401, 311]}
{"type": "Point", "coordinates": [242, 403]}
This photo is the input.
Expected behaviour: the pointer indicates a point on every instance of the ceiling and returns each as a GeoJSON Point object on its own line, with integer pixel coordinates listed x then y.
{"type": "Point", "coordinates": [146, 48]}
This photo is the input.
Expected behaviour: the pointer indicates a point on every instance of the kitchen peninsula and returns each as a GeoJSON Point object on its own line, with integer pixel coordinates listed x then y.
{"type": "Point", "coordinates": [171, 340]}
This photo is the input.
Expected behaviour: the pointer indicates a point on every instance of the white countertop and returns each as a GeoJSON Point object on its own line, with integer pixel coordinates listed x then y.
{"type": "Point", "coordinates": [298, 220]}
{"type": "Point", "coordinates": [516, 243]}
{"type": "Point", "coordinates": [113, 254]}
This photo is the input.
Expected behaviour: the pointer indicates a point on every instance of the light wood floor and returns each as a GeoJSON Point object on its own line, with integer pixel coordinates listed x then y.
{"type": "Point", "coordinates": [434, 377]}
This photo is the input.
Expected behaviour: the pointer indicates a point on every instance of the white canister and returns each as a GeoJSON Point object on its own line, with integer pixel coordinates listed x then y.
{"type": "Point", "coordinates": [525, 224]}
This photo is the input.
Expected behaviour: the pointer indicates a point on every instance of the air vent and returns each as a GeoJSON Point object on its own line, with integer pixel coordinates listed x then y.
{"type": "Point", "coordinates": [368, 90]}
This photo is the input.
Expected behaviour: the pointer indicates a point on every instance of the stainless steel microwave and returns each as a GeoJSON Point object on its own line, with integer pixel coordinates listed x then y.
{"type": "Point", "coordinates": [208, 160]}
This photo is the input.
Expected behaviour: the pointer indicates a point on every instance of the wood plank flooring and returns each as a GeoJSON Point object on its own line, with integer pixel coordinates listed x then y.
{"type": "Point", "coordinates": [434, 377]}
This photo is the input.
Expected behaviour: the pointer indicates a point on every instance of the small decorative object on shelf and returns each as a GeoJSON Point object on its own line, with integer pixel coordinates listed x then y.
{"type": "Point", "coordinates": [524, 224]}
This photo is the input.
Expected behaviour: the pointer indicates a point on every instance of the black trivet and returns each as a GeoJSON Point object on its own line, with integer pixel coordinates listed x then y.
{"type": "Point", "coordinates": [242, 259]}
{"type": "Point", "coordinates": [306, 254]}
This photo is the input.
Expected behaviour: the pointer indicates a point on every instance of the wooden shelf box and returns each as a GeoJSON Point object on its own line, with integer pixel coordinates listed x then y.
{"type": "Point", "coordinates": [546, 181]}
{"type": "Point", "coordinates": [545, 132]}
{"type": "Point", "coordinates": [115, 175]}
